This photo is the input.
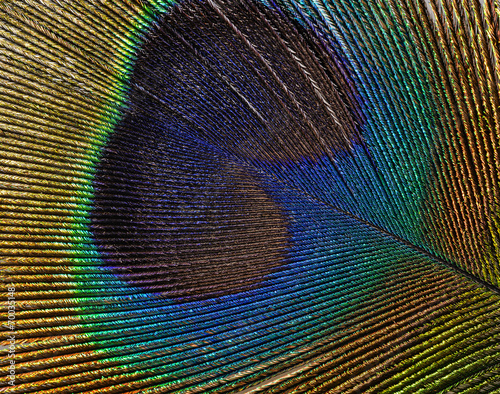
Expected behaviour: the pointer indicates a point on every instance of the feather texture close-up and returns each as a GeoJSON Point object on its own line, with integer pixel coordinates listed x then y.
{"type": "Point", "coordinates": [250, 196]}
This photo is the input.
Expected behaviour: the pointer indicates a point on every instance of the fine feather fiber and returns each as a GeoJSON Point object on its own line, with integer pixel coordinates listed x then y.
{"type": "Point", "coordinates": [250, 196]}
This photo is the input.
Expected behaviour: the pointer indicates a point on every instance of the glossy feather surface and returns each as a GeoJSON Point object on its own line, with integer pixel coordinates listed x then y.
{"type": "Point", "coordinates": [224, 196]}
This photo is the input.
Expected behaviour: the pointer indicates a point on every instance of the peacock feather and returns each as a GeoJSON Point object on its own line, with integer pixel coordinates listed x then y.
{"type": "Point", "coordinates": [244, 196]}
